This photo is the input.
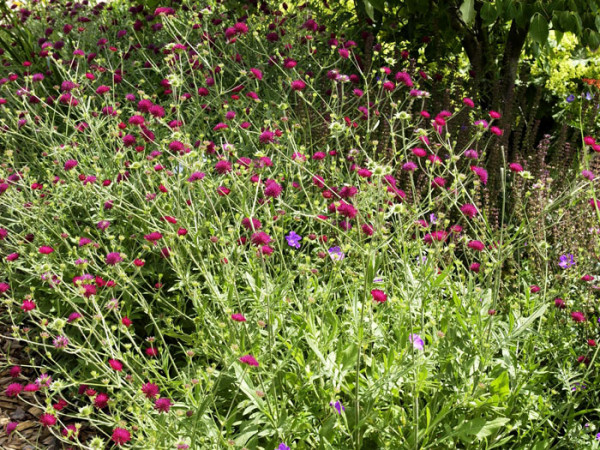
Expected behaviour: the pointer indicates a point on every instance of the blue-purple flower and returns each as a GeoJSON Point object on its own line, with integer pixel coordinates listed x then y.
{"type": "Point", "coordinates": [566, 261]}
{"type": "Point", "coordinates": [282, 446]}
{"type": "Point", "coordinates": [336, 253]}
{"type": "Point", "coordinates": [570, 98]}
{"type": "Point", "coordinates": [293, 239]}
{"type": "Point", "coordinates": [416, 341]}
{"type": "Point", "coordinates": [338, 406]}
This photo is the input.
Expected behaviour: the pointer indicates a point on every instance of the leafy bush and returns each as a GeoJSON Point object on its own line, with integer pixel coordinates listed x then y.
{"type": "Point", "coordinates": [225, 230]}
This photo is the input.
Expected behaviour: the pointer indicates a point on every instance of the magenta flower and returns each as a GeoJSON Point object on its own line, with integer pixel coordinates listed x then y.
{"type": "Point", "coordinates": [379, 296]}
{"type": "Point", "coordinates": [115, 365]}
{"type": "Point", "coordinates": [163, 404]}
{"type": "Point", "coordinates": [121, 436]}
{"type": "Point", "coordinates": [13, 389]}
{"type": "Point", "coordinates": [113, 258]}
{"type": "Point", "coordinates": [578, 317]}
{"type": "Point", "coordinates": [298, 85]}
{"type": "Point", "coordinates": [250, 360]}
{"type": "Point", "coordinates": [150, 390]}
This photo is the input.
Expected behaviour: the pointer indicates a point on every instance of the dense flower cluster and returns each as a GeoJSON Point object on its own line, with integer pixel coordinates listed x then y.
{"type": "Point", "coordinates": [212, 216]}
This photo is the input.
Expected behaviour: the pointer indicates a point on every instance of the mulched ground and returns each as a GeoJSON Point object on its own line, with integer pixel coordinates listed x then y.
{"type": "Point", "coordinates": [29, 435]}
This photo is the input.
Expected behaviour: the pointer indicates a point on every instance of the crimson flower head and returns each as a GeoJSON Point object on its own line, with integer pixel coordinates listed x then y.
{"type": "Point", "coordinates": [47, 420]}
{"type": "Point", "coordinates": [153, 237]}
{"type": "Point", "coordinates": [46, 250]}
{"type": "Point", "coordinates": [476, 245]}
{"type": "Point", "coordinates": [298, 85]}
{"type": "Point", "coordinates": [150, 390]}
{"type": "Point", "coordinates": [28, 305]}
{"type": "Point", "coordinates": [70, 164]}
{"type": "Point", "coordinates": [250, 360]}
{"type": "Point", "coordinates": [113, 258]}
{"type": "Point", "coordinates": [163, 404]}
{"type": "Point", "coordinates": [515, 167]}
{"type": "Point", "coordinates": [578, 316]}
{"type": "Point", "coordinates": [13, 389]}
{"type": "Point", "coordinates": [115, 365]}
{"type": "Point", "coordinates": [120, 436]}
{"type": "Point", "coordinates": [379, 296]}
{"type": "Point", "coordinates": [11, 426]}
{"type": "Point", "coordinates": [469, 210]}
{"type": "Point", "coordinates": [238, 317]}
{"type": "Point", "coordinates": [101, 400]}
{"type": "Point", "coordinates": [272, 189]}
{"type": "Point", "coordinates": [260, 238]}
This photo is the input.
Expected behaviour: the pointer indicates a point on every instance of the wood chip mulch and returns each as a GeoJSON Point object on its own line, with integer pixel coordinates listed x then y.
{"type": "Point", "coordinates": [29, 434]}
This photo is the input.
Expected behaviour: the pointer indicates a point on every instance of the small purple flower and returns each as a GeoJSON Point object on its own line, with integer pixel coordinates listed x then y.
{"type": "Point", "coordinates": [338, 406]}
{"type": "Point", "coordinates": [570, 98]}
{"type": "Point", "coordinates": [598, 437]}
{"type": "Point", "coordinates": [282, 446]}
{"type": "Point", "coordinates": [416, 341]}
{"type": "Point", "coordinates": [432, 218]}
{"type": "Point", "coordinates": [566, 261]}
{"type": "Point", "coordinates": [293, 239]}
{"type": "Point", "coordinates": [588, 96]}
{"type": "Point", "coordinates": [336, 253]}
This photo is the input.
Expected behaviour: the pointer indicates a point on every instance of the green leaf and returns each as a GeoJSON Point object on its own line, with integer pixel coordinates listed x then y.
{"type": "Point", "coordinates": [348, 357]}
{"type": "Point", "coordinates": [521, 328]}
{"type": "Point", "coordinates": [369, 9]}
{"type": "Point", "coordinates": [467, 10]}
{"type": "Point", "coordinates": [481, 428]}
{"type": "Point", "coordinates": [379, 5]}
{"type": "Point", "coordinates": [489, 13]}
{"type": "Point", "coordinates": [592, 39]}
{"type": "Point", "coordinates": [500, 386]}
{"type": "Point", "coordinates": [539, 29]}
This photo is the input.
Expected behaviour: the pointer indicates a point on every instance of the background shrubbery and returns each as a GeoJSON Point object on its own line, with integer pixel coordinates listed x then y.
{"type": "Point", "coordinates": [238, 225]}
